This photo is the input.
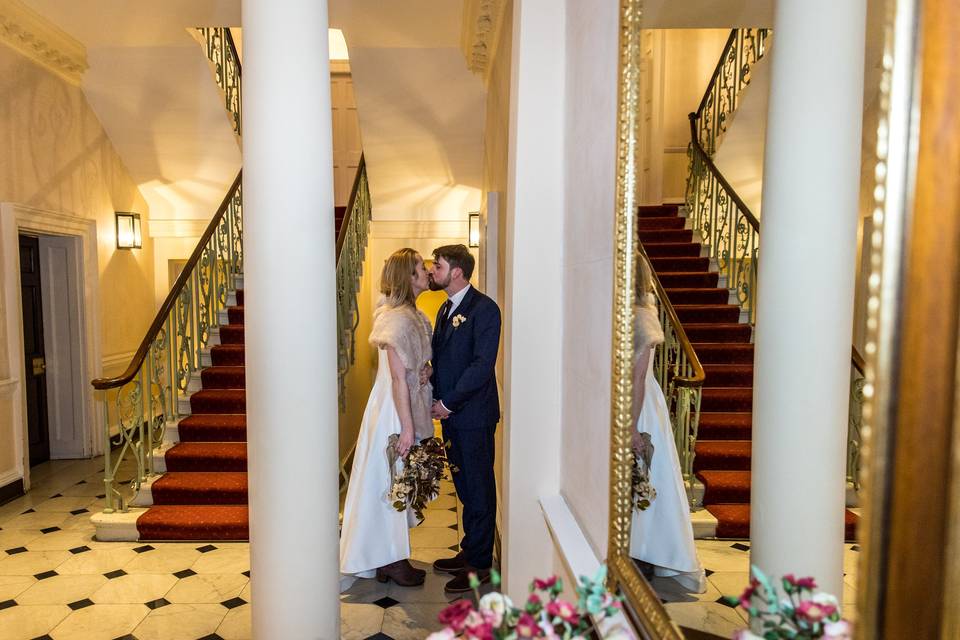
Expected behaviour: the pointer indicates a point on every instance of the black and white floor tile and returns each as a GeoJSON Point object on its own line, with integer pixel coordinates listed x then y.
{"type": "Point", "coordinates": [57, 582]}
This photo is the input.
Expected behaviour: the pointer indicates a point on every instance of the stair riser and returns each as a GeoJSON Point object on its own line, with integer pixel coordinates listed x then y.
{"type": "Point", "coordinates": [217, 405]}
{"type": "Point", "coordinates": [723, 354]}
{"type": "Point", "coordinates": [713, 314]}
{"type": "Point", "coordinates": [231, 334]}
{"type": "Point", "coordinates": [193, 532]}
{"type": "Point", "coordinates": [658, 211]}
{"type": "Point", "coordinates": [674, 235]}
{"type": "Point", "coordinates": [240, 297]}
{"type": "Point", "coordinates": [212, 434]}
{"type": "Point", "coordinates": [651, 223]}
{"type": "Point", "coordinates": [205, 464]}
{"type": "Point", "coordinates": [708, 462]}
{"type": "Point", "coordinates": [728, 378]}
{"type": "Point", "coordinates": [680, 265]}
{"type": "Point", "coordinates": [688, 280]}
{"type": "Point", "coordinates": [235, 315]}
{"type": "Point", "coordinates": [698, 296]}
{"type": "Point", "coordinates": [195, 496]}
{"type": "Point", "coordinates": [212, 379]}
{"type": "Point", "coordinates": [688, 250]}
{"type": "Point", "coordinates": [725, 402]}
{"type": "Point", "coordinates": [714, 494]}
{"type": "Point", "coordinates": [227, 357]}
{"type": "Point", "coordinates": [740, 334]}
{"type": "Point", "coordinates": [723, 433]}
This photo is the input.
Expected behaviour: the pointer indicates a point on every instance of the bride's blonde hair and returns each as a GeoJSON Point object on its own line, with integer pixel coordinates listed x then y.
{"type": "Point", "coordinates": [644, 285]}
{"type": "Point", "coordinates": [396, 279]}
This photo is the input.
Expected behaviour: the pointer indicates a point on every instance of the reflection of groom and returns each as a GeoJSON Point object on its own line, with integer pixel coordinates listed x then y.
{"type": "Point", "coordinates": [466, 338]}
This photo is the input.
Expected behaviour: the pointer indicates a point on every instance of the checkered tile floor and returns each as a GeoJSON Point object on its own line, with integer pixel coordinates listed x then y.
{"type": "Point", "coordinates": [57, 582]}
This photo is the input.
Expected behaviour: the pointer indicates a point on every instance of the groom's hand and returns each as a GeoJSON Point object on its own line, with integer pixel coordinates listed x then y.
{"type": "Point", "coordinates": [438, 411]}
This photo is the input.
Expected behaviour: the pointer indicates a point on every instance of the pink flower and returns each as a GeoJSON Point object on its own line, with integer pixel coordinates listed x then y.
{"type": "Point", "coordinates": [748, 593]}
{"type": "Point", "coordinates": [534, 603]}
{"type": "Point", "coordinates": [527, 626]}
{"type": "Point", "coordinates": [812, 612]}
{"type": "Point", "coordinates": [482, 631]}
{"type": "Point", "coordinates": [455, 615]}
{"type": "Point", "coordinates": [563, 610]}
{"type": "Point", "coordinates": [802, 583]}
{"type": "Point", "coordinates": [839, 630]}
{"type": "Point", "coordinates": [446, 634]}
{"type": "Point", "coordinates": [545, 585]}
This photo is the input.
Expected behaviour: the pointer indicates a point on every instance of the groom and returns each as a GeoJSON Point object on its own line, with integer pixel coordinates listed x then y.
{"type": "Point", "coordinates": [466, 339]}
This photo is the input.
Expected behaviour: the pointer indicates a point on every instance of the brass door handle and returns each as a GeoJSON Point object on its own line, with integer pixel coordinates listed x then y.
{"type": "Point", "coordinates": [39, 366]}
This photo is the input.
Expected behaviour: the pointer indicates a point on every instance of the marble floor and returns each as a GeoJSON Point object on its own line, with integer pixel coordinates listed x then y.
{"type": "Point", "coordinates": [727, 564]}
{"type": "Point", "coordinates": [57, 582]}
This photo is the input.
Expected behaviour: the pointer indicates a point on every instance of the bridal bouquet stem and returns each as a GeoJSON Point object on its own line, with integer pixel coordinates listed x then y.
{"type": "Point", "coordinates": [418, 482]}
{"type": "Point", "coordinates": [543, 615]}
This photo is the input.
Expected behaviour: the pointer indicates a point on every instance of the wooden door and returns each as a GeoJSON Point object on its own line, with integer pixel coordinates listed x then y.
{"type": "Point", "coordinates": [35, 379]}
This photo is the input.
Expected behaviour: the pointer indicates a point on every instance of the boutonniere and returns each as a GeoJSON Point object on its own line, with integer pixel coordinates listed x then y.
{"type": "Point", "coordinates": [458, 320]}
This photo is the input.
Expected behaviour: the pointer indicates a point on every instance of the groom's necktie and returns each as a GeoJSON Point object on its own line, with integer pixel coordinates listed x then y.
{"type": "Point", "coordinates": [444, 312]}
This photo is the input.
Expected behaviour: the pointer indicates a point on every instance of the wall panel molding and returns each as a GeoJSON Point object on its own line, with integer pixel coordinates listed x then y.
{"type": "Point", "coordinates": [480, 33]}
{"type": "Point", "coordinates": [32, 35]}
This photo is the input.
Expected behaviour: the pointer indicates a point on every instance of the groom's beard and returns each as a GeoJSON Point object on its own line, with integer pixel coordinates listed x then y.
{"type": "Point", "coordinates": [437, 286]}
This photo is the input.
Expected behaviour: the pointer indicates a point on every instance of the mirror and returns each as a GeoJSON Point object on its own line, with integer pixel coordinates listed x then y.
{"type": "Point", "coordinates": [655, 364]}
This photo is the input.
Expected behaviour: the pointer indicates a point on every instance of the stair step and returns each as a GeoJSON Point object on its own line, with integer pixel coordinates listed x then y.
{"type": "Point", "coordinates": [227, 355]}
{"type": "Point", "coordinates": [666, 249]}
{"type": "Point", "coordinates": [697, 296]}
{"type": "Point", "coordinates": [240, 297]}
{"type": "Point", "coordinates": [214, 427]}
{"type": "Point", "coordinates": [728, 375]}
{"type": "Point", "coordinates": [200, 487]}
{"type": "Point", "coordinates": [657, 210]}
{"type": "Point", "coordinates": [705, 313]}
{"type": "Point", "coordinates": [219, 401]}
{"type": "Point", "coordinates": [725, 487]}
{"type": "Point", "coordinates": [194, 522]}
{"type": "Point", "coordinates": [671, 280]}
{"type": "Point", "coordinates": [722, 455]}
{"type": "Point", "coordinates": [235, 314]}
{"type": "Point", "coordinates": [223, 377]}
{"type": "Point", "coordinates": [733, 521]}
{"type": "Point", "coordinates": [718, 332]}
{"type": "Point", "coordinates": [207, 456]}
{"type": "Point", "coordinates": [726, 399]}
{"type": "Point", "coordinates": [680, 264]}
{"type": "Point", "coordinates": [715, 425]}
{"type": "Point", "coordinates": [649, 223]}
{"type": "Point", "coordinates": [231, 334]}
{"type": "Point", "coordinates": [671, 235]}
{"type": "Point", "coordinates": [721, 353]}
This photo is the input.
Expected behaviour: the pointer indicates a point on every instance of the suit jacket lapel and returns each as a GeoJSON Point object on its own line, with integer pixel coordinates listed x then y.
{"type": "Point", "coordinates": [461, 309]}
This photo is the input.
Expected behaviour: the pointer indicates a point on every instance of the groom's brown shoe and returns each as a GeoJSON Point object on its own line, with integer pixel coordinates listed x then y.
{"type": "Point", "coordinates": [461, 580]}
{"type": "Point", "coordinates": [450, 565]}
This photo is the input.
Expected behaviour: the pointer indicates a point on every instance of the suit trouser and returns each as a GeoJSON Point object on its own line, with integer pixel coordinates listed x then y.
{"type": "Point", "coordinates": [471, 451]}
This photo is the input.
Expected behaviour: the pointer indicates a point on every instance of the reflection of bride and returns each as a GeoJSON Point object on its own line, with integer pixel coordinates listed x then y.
{"type": "Point", "coordinates": [661, 535]}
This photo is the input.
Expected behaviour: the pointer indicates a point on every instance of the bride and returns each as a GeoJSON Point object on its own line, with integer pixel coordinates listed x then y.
{"type": "Point", "coordinates": [661, 535]}
{"type": "Point", "coordinates": [375, 537]}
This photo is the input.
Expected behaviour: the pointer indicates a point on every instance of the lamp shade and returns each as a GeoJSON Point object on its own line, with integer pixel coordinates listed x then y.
{"type": "Point", "coordinates": [473, 230]}
{"type": "Point", "coordinates": [129, 235]}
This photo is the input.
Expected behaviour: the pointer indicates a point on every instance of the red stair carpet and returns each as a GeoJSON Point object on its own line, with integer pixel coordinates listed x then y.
{"type": "Point", "coordinates": [723, 345]}
{"type": "Point", "coordinates": [203, 494]}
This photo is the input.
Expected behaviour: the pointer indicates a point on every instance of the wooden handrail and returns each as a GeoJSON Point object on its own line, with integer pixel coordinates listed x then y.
{"type": "Point", "coordinates": [348, 214]}
{"type": "Point", "coordinates": [102, 384]}
{"type": "Point", "coordinates": [857, 360]}
{"type": "Point", "coordinates": [698, 375]}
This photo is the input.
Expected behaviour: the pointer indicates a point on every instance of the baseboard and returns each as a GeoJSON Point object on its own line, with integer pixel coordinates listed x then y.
{"type": "Point", "coordinates": [11, 491]}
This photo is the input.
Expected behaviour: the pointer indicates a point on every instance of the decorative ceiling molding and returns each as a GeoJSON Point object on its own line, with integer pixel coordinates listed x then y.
{"type": "Point", "coordinates": [480, 32]}
{"type": "Point", "coordinates": [32, 35]}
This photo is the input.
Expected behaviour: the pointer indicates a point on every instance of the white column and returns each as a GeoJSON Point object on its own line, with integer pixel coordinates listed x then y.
{"type": "Point", "coordinates": [290, 320]}
{"type": "Point", "coordinates": [533, 296]}
{"type": "Point", "coordinates": [806, 285]}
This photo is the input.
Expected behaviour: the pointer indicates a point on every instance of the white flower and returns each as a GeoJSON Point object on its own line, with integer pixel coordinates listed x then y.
{"type": "Point", "coordinates": [825, 599]}
{"type": "Point", "coordinates": [744, 634]}
{"type": "Point", "coordinates": [495, 603]}
{"type": "Point", "coordinates": [446, 634]}
{"type": "Point", "coordinates": [457, 320]}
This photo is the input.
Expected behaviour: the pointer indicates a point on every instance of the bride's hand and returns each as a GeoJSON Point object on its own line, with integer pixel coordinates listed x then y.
{"type": "Point", "coordinates": [425, 374]}
{"type": "Point", "coordinates": [405, 442]}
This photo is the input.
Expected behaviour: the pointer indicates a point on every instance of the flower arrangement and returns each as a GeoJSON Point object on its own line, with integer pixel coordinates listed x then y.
{"type": "Point", "coordinates": [802, 615]}
{"type": "Point", "coordinates": [642, 490]}
{"type": "Point", "coordinates": [543, 615]}
{"type": "Point", "coordinates": [418, 482]}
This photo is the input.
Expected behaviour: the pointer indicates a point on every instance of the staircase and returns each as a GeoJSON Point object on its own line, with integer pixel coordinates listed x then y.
{"type": "Point", "coordinates": [722, 342]}
{"type": "Point", "coordinates": [203, 493]}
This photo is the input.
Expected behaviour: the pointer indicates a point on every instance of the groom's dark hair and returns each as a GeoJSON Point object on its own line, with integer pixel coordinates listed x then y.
{"type": "Point", "coordinates": [456, 255]}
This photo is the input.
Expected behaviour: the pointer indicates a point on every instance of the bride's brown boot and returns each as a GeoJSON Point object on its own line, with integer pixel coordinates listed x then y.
{"type": "Point", "coordinates": [401, 572]}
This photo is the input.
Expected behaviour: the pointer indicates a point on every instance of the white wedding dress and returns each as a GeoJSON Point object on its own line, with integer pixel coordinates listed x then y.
{"type": "Point", "coordinates": [662, 534]}
{"type": "Point", "coordinates": [373, 533]}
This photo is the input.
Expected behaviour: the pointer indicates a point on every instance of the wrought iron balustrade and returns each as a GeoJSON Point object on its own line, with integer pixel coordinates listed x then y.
{"type": "Point", "coordinates": [222, 53]}
{"type": "Point", "coordinates": [140, 404]}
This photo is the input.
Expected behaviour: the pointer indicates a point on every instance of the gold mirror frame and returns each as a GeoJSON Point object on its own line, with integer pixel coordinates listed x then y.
{"type": "Point", "coordinates": [896, 163]}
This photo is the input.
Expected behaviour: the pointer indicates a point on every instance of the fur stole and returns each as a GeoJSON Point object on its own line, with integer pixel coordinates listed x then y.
{"type": "Point", "coordinates": [647, 332]}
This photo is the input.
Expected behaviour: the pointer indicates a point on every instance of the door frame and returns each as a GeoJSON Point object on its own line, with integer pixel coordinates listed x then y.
{"type": "Point", "coordinates": [16, 219]}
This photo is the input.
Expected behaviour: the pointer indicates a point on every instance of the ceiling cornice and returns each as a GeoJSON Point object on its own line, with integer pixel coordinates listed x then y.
{"type": "Point", "coordinates": [480, 33]}
{"type": "Point", "coordinates": [32, 35]}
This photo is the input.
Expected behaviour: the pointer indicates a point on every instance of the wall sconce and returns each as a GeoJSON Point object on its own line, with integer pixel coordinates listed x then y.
{"type": "Point", "coordinates": [128, 230]}
{"type": "Point", "coordinates": [473, 230]}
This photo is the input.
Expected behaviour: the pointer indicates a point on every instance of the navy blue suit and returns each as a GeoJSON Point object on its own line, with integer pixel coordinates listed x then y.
{"type": "Point", "coordinates": [464, 379]}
